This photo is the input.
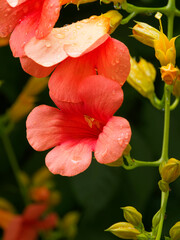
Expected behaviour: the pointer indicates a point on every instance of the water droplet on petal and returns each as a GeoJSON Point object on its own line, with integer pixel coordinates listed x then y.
{"type": "Point", "coordinates": [48, 44]}
{"type": "Point", "coordinates": [60, 36]}
{"type": "Point", "coordinates": [78, 26]}
{"type": "Point", "coordinates": [76, 159]}
{"type": "Point", "coordinates": [120, 141]}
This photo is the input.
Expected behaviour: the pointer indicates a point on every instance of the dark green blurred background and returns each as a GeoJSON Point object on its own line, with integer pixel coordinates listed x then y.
{"type": "Point", "coordinates": [100, 191]}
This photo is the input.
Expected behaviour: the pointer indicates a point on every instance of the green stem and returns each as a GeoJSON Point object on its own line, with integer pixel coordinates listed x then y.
{"type": "Point", "coordinates": [167, 93]}
{"type": "Point", "coordinates": [14, 164]}
{"type": "Point", "coordinates": [165, 145]}
{"type": "Point", "coordinates": [132, 163]}
{"type": "Point", "coordinates": [156, 102]}
{"type": "Point", "coordinates": [128, 18]}
{"type": "Point", "coordinates": [174, 104]}
{"type": "Point", "coordinates": [170, 11]}
{"type": "Point", "coordinates": [164, 199]}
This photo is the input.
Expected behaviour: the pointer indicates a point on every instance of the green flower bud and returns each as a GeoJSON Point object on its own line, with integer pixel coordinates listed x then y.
{"type": "Point", "coordinates": [156, 219]}
{"type": "Point", "coordinates": [175, 231]}
{"type": "Point", "coordinates": [132, 215]}
{"type": "Point", "coordinates": [171, 170]}
{"type": "Point", "coordinates": [164, 186]}
{"type": "Point", "coordinates": [124, 230]}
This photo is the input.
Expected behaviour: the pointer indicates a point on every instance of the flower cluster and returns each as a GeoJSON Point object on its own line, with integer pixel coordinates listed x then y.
{"type": "Point", "coordinates": [89, 68]}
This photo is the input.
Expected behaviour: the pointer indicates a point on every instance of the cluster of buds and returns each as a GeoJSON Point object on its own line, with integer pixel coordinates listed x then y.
{"type": "Point", "coordinates": [132, 229]}
{"type": "Point", "coordinates": [170, 171]}
{"type": "Point", "coordinates": [164, 48]}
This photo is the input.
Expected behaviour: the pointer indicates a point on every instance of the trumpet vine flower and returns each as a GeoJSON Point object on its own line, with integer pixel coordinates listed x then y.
{"type": "Point", "coordinates": [25, 19]}
{"type": "Point", "coordinates": [75, 130]}
{"type": "Point", "coordinates": [75, 52]}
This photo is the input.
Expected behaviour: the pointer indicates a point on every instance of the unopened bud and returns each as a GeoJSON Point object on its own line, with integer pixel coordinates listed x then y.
{"type": "Point", "coordinates": [124, 230]}
{"type": "Point", "coordinates": [115, 19]}
{"type": "Point", "coordinates": [142, 76]}
{"type": "Point", "coordinates": [132, 215]}
{"type": "Point", "coordinates": [165, 50]}
{"type": "Point", "coordinates": [164, 186]}
{"type": "Point", "coordinates": [175, 231]}
{"type": "Point", "coordinates": [171, 170]}
{"type": "Point", "coordinates": [145, 33]}
{"type": "Point", "coordinates": [169, 73]}
{"type": "Point", "coordinates": [156, 219]}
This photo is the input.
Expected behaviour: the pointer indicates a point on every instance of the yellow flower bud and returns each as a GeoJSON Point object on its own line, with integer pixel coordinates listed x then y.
{"type": "Point", "coordinates": [26, 100]}
{"type": "Point", "coordinates": [142, 76]}
{"type": "Point", "coordinates": [175, 231]}
{"type": "Point", "coordinates": [124, 230]}
{"type": "Point", "coordinates": [132, 215]}
{"type": "Point", "coordinates": [171, 170]}
{"type": "Point", "coordinates": [115, 19]}
{"type": "Point", "coordinates": [163, 186]}
{"type": "Point", "coordinates": [145, 33]}
{"type": "Point", "coordinates": [165, 50]}
{"type": "Point", "coordinates": [169, 73]}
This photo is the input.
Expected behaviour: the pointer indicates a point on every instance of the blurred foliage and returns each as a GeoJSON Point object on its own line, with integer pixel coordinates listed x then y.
{"type": "Point", "coordinates": [100, 191]}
